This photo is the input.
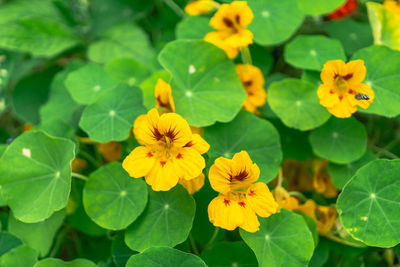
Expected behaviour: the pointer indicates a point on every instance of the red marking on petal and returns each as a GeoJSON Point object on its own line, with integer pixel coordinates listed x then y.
{"type": "Point", "coordinates": [226, 202]}
{"type": "Point", "coordinates": [149, 154]}
{"type": "Point", "coordinates": [163, 163]}
{"type": "Point", "coordinates": [189, 144]}
{"type": "Point", "coordinates": [331, 92]}
{"type": "Point", "coordinates": [351, 91]}
{"type": "Point", "coordinates": [252, 193]}
{"type": "Point", "coordinates": [340, 97]}
{"type": "Point", "coordinates": [179, 156]}
{"type": "Point", "coordinates": [242, 204]}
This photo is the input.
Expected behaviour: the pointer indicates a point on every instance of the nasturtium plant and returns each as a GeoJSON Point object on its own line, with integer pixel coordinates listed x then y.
{"type": "Point", "coordinates": [199, 133]}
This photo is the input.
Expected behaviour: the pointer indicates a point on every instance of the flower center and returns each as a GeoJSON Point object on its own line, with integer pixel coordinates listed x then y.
{"type": "Point", "coordinates": [233, 25]}
{"type": "Point", "coordinates": [341, 83]}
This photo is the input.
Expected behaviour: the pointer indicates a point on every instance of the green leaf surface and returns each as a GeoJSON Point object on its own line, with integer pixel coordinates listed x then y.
{"type": "Point", "coordinates": [126, 70]}
{"type": "Point", "coordinates": [22, 256]}
{"type": "Point", "coordinates": [274, 21]}
{"type": "Point", "coordinates": [123, 41]}
{"type": "Point", "coordinates": [247, 132]}
{"type": "Point", "coordinates": [315, 8]}
{"type": "Point", "coordinates": [202, 78]}
{"type": "Point", "coordinates": [51, 262]}
{"type": "Point", "coordinates": [30, 94]}
{"type": "Point", "coordinates": [321, 254]}
{"type": "Point", "coordinates": [120, 252]}
{"type": "Point", "coordinates": [356, 36]}
{"type": "Point", "coordinates": [340, 140]}
{"type": "Point", "coordinates": [8, 242]}
{"type": "Point", "coordinates": [165, 257]}
{"type": "Point", "coordinates": [193, 27]}
{"type": "Point", "coordinates": [296, 103]}
{"type": "Point", "coordinates": [385, 25]}
{"type": "Point", "coordinates": [283, 239]}
{"type": "Point", "coordinates": [369, 203]}
{"type": "Point", "coordinates": [38, 236]}
{"type": "Point", "coordinates": [229, 254]}
{"type": "Point", "coordinates": [38, 36]}
{"type": "Point", "coordinates": [111, 117]}
{"type": "Point", "coordinates": [166, 221]}
{"type": "Point", "coordinates": [383, 78]}
{"type": "Point", "coordinates": [60, 104]}
{"type": "Point", "coordinates": [112, 198]}
{"type": "Point", "coordinates": [35, 175]}
{"type": "Point", "coordinates": [312, 52]}
{"type": "Point", "coordinates": [341, 173]}
{"type": "Point", "coordinates": [87, 83]}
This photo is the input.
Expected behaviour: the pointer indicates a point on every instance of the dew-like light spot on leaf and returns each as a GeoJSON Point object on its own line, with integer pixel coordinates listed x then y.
{"type": "Point", "coordinates": [26, 152]}
{"type": "Point", "coordinates": [192, 69]}
{"type": "Point", "coordinates": [265, 14]}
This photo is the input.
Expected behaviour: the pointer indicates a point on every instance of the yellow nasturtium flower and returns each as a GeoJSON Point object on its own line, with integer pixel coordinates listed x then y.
{"type": "Point", "coordinates": [322, 180]}
{"type": "Point", "coordinates": [193, 185]}
{"type": "Point", "coordinates": [239, 199]}
{"type": "Point", "coordinates": [231, 21]}
{"type": "Point", "coordinates": [393, 6]}
{"type": "Point", "coordinates": [253, 83]}
{"type": "Point", "coordinates": [342, 89]}
{"type": "Point", "coordinates": [169, 151]}
{"type": "Point", "coordinates": [200, 7]}
{"type": "Point", "coordinates": [163, 95]}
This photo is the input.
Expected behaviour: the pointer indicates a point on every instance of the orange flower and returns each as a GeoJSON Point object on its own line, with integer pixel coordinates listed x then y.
{"type": "Point", "coordinates": [322, 180]}
{"type": "Point", "coordinates": [253, 83]}
{"type": "Point", "coordinates": [110, 151]}
{"type": "Point", "coordinates": [344, 10]}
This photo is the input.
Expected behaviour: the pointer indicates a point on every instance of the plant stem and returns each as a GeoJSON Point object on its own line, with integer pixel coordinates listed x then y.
{"type": "Point", "coordinates": [212, 239]}
{"type": "Point", "coordinates": [89, 158]}
{"type": "Point", "coordinates": [384, 152]}
{"type": "Point", "coordinates": [79, 176]}
{"type": "Point", "coordinates": [193, 244]}
{"type": "Point", "coordinates": [177, 9]}
{"type": "Point", "coordinates": [58, 243]}
{"type": "Point", "coordinates": [84, 140]}
{"type": "Point", "coordinates": [342, 241]}
{"type": "Point", "coordinates": [280, 178]}
{"type": "Point", "coordinates": [245, 54]}
{"type": "Point", "coordinates": [298, 194]}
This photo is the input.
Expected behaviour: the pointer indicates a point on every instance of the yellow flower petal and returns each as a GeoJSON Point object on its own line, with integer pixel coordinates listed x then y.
{"type": "Point", "coordinates": [344, 109]}
{"type": "Point", "coordinates": [393, 6]}
{"type": "Point", "coordinates": [261, 200]}
{"type": "Point", "coordinates": [327, 96]}
{"type": "Point", "coordinates": [175, 129]}
{"type": "Point", "coordinates": [198, 143]}
{"type": "Point", "coordinates": [163, 95]}
{"type": "Point", "coordinates": [322, 180]}
{"type": "Point", "coordinates": [139, 162]}
{"type": "Point", "coordinates": [145, 127]}
{"type": "Point", "coordinates": [162, 176]}
{"type": "Point", "coordinates": [225, 213]}
{"type": "Point", "coordinates": [200, 7]}
{"type": "Point", "coordinates": [250, 222]}
{"type": "Point", "coordinates": [219, 40]}
{"type": "Point", "coordinates": [189, 163]}
{"type": "Point", "coordinates": [240, 39]}
{"type": "Point", "coordinates": [308, 208]}
{"type": "Point", "coordinates": [253, 83]}
{"type": "Point", "coordinates": [357, 70]}
{"type": "Point", "coordinates": [193, 185]}
{"type": "Point", "coordinates": [326, 219]}
{"type": "Point", "coordinates": [330, 69]}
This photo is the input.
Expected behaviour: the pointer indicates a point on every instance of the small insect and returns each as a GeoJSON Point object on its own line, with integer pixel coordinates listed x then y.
{"type": "Point", "coordinates": [361, 97]}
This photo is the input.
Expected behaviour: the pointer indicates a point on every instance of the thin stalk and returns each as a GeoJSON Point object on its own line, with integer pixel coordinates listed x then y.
{"type": "Point", "coordinates": [177, 9]}
{"type": "Point", "coordinates": [212, 239]}
{"type": "Point", "coordinates": [342, 241]}
{"type": "Point", "coordinates": [58, 243]}
{"type": "Point", "coordinates": [193, 244]}
{"type": "Point", "coordinates": [79, 176]}
{"type": "Point", "coordinates": [246, 55]}
{"type": "Point", "coordinates": [298, 194]}
{"type": "Point", "coordinates": [384, 152]}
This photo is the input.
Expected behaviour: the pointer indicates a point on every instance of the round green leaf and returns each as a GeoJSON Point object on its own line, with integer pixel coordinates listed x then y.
{"type": "Point", "coordinates": [35, 175]}
{"type": "Point", "coordinates": [87, 83]}
{"type": "Point", "coordinates": [202, 78]}
{"type": "Point", "coordinates": [126, 70]}
{"type": "Point", "coordinates": [340, 140]}
{"type": "Point", "coordinates": [120, 252]}
{"type": "Point", "coordinates": [193, 27]}
{"type": "Point", "coordinates": [51, 262]}
{"type": "Point", "coordinates": [166, 221]}
{"type": "Point", "coordinates": [356, 36]}
{"type": "Point", "coordinates": [165, 257]}
{"type": "Point", "coordinates": [283, 240]}
{"type": "Point", "coordinates": [247, 132]}
{"type": "Point", "coordinates": [341, 174]}
{"type": "Point", "coordinates": [315, 8]}
{"type": "Point", "coordinates": [383, 78]}
{"type": "Point", "coordinates": [112, 116]}
{"type": "Point", "coordinates": [274, 21]}
{"type": "Point", "coordinates": [8, 242]}
{"type": "Point", "coordinates": [229, 254]}
{"type": "Point", "coordinates": [370, 202]}
{"type": "Point", "coordinates": [296, 103]}
{"type": "Point", "coordinates": [123, 41]}
{"type": "Point", "coordinates": [311, 52]}
{"type": "Point", "coordinates": [22, 256]}
{"type": "Point", "coordinates": [39, 235]}
{"type": "Point", "coordinates": [112, 199]}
